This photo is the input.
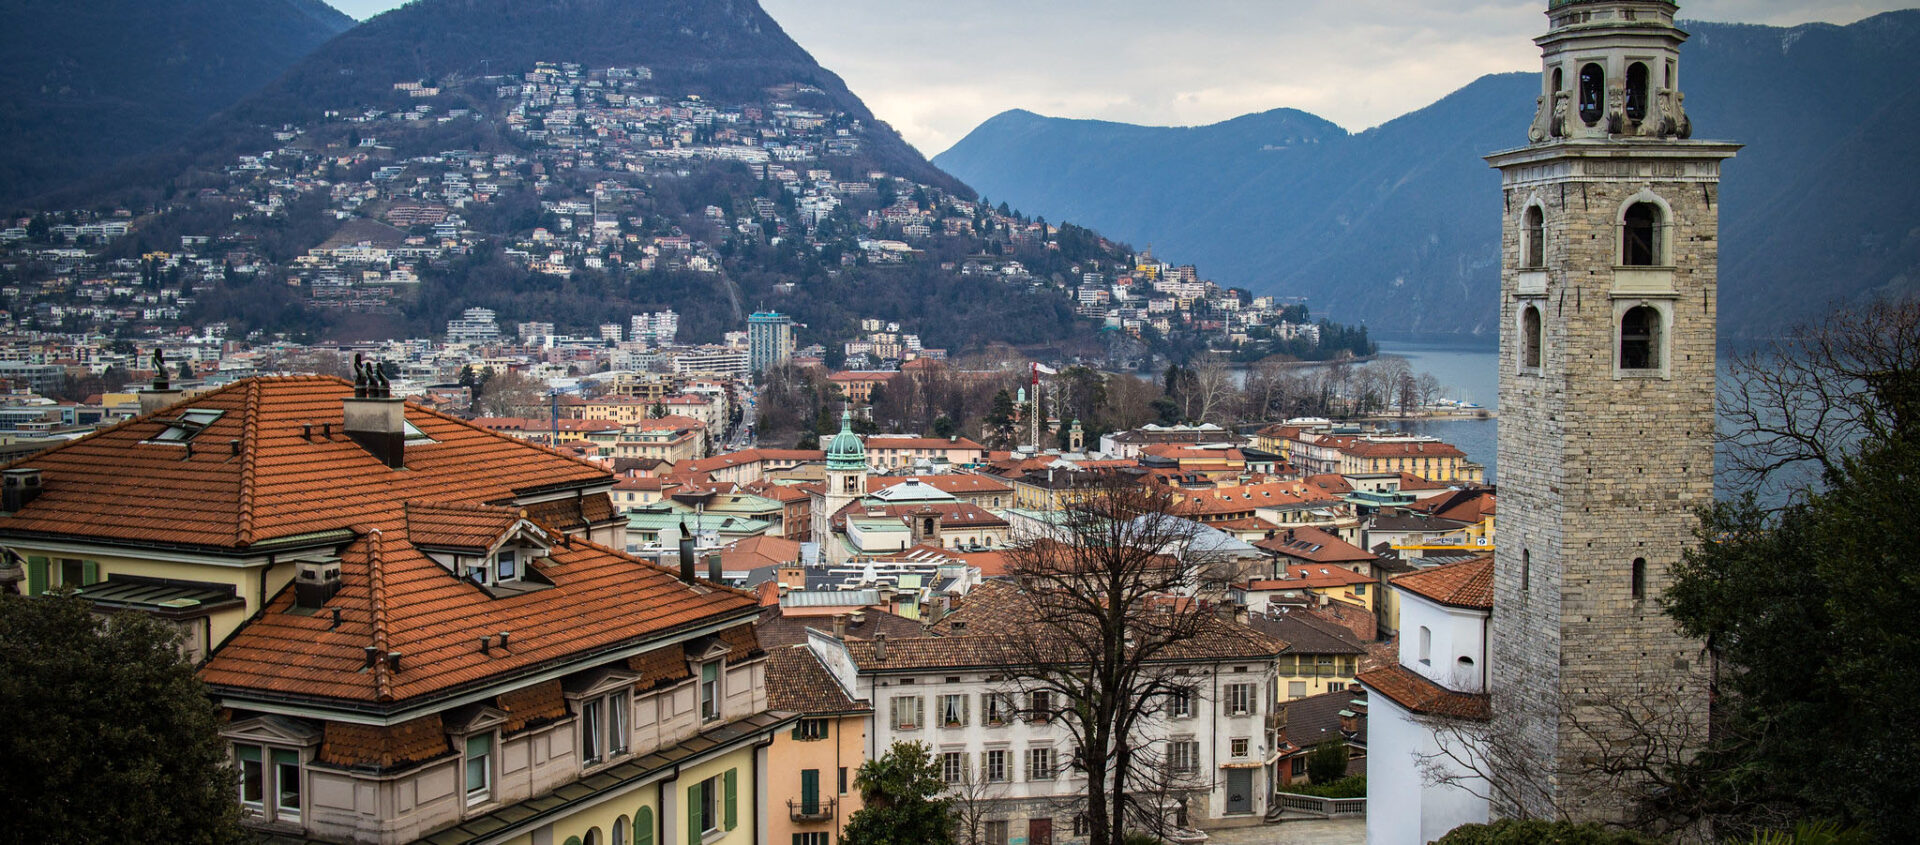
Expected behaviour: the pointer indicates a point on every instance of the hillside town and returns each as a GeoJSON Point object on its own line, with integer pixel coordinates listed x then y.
{"type": "Point", "coordinates": [596, 184]}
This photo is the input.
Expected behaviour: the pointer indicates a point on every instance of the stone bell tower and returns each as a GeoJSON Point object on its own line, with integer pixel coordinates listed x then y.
{"type": "Point", "coordinates": [1610, 243]}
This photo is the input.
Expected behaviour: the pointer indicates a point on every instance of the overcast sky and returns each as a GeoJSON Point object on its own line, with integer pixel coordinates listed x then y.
{"type": "Point", "coordinates": [935, 70]}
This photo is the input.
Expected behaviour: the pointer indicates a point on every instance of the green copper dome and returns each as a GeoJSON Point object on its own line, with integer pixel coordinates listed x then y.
{"type": "Point", "coordinates": [845, 451]}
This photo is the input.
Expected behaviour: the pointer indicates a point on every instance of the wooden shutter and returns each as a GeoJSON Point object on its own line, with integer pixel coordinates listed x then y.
{"type": "Point", "coordinates": [36, 575]}
{"type": "Point", "coordinates": [731, 785]}
{"type": "Point", "coordinates": [810, 790]}
{"type": "Point", "coordinates": [89, 572]}
{"type": "Point", "coordinates": [694, 822]}
{"type": "Point", "coordinates": [643, 826]}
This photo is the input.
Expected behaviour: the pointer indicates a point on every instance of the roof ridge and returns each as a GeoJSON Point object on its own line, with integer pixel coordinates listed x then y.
{"type": "Point", "coordinates": [249, 414]}
{"type": "Point", "coordinates": [377, 595]}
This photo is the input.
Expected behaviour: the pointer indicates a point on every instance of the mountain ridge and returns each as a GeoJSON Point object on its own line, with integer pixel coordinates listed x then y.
{"type": "Point", "coordinates": [107, 81]}
{"type": "Point", "coordinates": [1397, 224]}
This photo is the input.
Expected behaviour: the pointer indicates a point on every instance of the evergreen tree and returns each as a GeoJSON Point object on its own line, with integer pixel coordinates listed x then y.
{"type": "Point", "coordinates": [901, 791]}
{"type": "Point", "coordinates": [121, 740]}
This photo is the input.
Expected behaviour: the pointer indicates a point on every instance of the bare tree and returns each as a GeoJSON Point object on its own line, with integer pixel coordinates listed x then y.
{"type": "Point", "coordinates": [1799, 405]}
{"type": "Point", "coordinates": [1106, 603]}
{"type": "Point", "coordinates": [1640, 747]}
{"type": "Point", "coordinates": [513, 394]}
{"type": "Point", "coordinates": [1210, 391]}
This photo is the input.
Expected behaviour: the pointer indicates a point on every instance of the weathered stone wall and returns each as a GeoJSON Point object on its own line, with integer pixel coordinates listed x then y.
{"type": "Point", "coordinates": [1599, 466]}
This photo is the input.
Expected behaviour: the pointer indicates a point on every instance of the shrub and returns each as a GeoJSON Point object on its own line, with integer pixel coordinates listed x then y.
{"type": "Point", "coordinates": [1347, 787]}
{"type": "Point", "coordinates": [1327, 762]}
{"type": "Point", "coordinates": [1536, 832]}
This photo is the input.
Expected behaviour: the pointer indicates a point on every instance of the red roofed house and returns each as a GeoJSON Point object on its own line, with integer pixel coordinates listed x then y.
{"type": "Point", "coordinates": [1440, 679]}
{"type": "Point", "coordinates": [417, 628]}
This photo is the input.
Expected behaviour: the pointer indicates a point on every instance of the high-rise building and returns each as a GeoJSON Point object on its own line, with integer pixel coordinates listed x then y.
{"type": "Point", "coordinates": [769, 340]}
{"type": "Point", "coordinates": [1610, 247]}
{"type": "Point", "coordinates": [474, 325]}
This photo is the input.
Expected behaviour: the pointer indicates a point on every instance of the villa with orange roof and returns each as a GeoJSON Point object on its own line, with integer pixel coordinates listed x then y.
{"type": "Point", "coordinates": [418, 629]}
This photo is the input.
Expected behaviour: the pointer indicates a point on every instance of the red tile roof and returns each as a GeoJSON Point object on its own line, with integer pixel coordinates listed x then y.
{"type": "Point", "coordinates": [1313, 544]}
{"type": "Point", "coordinates": [1466, 584]}
{"type": "Point", "coordinates": [1408, 689]}
{"type": "Point", "coordinates": [396, 599]}
{"type": "Point", "coordinates": [472, 528]}
{"type": "Point", "coordinates": [957, 484]}
{"type": "Point", "coordinates": [256, 474]}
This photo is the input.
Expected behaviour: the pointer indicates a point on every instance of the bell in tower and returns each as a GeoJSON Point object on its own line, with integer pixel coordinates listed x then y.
{"type": "Point", "coordinates": [1612, 70]}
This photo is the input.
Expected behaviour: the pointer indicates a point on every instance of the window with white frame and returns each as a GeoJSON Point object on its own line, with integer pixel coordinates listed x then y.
{"type": "Point", "coordinates": [1239, 699]}
{"type": "Point", "coordinates": [907, 715]}
{"type": "Point", "coordinates": [953, 766]}
{"type": "Point", "coordinates": [995, 765]}
{"type": "Point", "coordinates": [710, 805]}
{"type": "Point", "coordinates": [818, 837]}
{"type": "Point", "coordinates": [1040, 763]}
{"type": "Point", "coordinates": [270, 781]}
{"type": "Point", "coordinates": [1238, 746]}
{"type": "Point", "coordinates": [1183, 756]}
{"type": "Point", "coordinates": [479, 758]}
{"type": "Point", "coordinates": [603, 727]}
{"type": "Point", "coordinates": [953, 711]}
{"type": "Point", "coordinates": [709, 691]}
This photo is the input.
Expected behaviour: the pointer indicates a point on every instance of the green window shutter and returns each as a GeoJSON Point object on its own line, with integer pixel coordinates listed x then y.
{"type": "Point", "coordinates": [36, 575]}
{"type": "Point", "coordinates": [694, 824]}
{"type": "Point", "coordinates": [643, 826]}
{"type": "Point", "coordinates": [573, 840]}
{"type": "Point", "coordinates": [810, 790]}
{"type": "Point", "coordinates": [90, 572]}
{"type": "Point", "coordinates": [731, 784]}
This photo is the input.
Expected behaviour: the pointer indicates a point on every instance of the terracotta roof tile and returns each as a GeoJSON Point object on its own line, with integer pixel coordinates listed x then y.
{"type": "Point", "coordinates": [1313, 544]}
{"type": "Point", "coordinates": [1408, 689]}
{"type": "Point", "coordinates": [466, 527]}
{"type": "Point", "coordinates": [1464, 584]}
{"type": "Point", "coordinates": [383, 747]}
{"type": "Point", "coordinates": [797, 683]}
{"type": "Point", "coordinates": [532, 706]}
{"type": "Point", "coordinates": [257, 472]}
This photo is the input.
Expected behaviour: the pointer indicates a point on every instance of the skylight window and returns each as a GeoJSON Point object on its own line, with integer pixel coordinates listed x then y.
{"type": "Point", "coordinates": [183, 428]}
{"type": "Point", "coordinates": [415, 435]}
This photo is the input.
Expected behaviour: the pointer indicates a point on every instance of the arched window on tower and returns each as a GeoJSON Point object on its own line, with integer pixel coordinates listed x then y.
{"type": "Point", "coordinates": [1593, 93]}
{"type": "Point", "coordinates": [1530, 332]}
{"type": "Point", "coordinates": [1559, 80]}
{"type": "Point", "coordinates": [1637, 91]}
{"type": "Point", "coordinates": [1640, 235]}
{"type": "Point", "coordinates": [1640, 338]}
{"type": "Point", "coordinates": [1639, 578]}
{"type": "Point", "coordinates": [1534, 254]}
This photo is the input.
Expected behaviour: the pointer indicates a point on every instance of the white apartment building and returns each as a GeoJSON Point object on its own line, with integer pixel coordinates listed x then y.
{"type": "Point", "coordinates": [1212, 747]}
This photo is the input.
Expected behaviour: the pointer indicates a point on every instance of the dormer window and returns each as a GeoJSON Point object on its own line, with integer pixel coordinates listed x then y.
{"type": "Point", "coordinates": [506, 566]}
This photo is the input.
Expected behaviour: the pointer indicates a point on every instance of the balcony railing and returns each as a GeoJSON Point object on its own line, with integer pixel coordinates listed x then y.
{"type": "Point", "coordinates": [802, 810]}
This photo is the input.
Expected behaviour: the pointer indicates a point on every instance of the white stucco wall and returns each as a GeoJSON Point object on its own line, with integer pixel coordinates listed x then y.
{"type": "Point", "coordinates": [1402, 808]}
{"type": "Point", "coordinates": [1456, 633]}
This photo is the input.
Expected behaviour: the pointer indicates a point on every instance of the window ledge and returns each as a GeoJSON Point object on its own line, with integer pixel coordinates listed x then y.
{"type": "Point", "coordinates": [714, 835]}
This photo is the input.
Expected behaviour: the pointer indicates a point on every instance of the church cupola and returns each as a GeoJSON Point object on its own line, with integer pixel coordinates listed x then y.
{"type": "Point", "coordinates": [1612, 71]}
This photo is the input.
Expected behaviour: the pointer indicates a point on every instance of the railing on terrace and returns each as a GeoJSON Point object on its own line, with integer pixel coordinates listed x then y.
{"type": "Point", "coordinates": [1313, 806]}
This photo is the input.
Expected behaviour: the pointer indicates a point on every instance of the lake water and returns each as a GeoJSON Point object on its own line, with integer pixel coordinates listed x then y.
{"type": "Point", "coordinates": [1469, 371]}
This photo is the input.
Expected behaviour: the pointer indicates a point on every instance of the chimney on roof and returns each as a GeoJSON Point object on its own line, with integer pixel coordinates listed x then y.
{"type": "Point", "coordinates": [839, 626]}
{"type": "Point", "coordinates": [686, 553]}
{"type": "Point", "coordinates": [315, 581]}
{"type": "Point", "coordinates": [714, 569]}
{"type": "Point", "coordinates": [1241, 615]}
{"type": "Point", "coordinates": [18, 487]}
{"type": "Point", "coordinates": [374, 419]}
{"type": "Point", "coordinates": [880, 648]}
{"type": "Point", "coordinates": [162, 393]}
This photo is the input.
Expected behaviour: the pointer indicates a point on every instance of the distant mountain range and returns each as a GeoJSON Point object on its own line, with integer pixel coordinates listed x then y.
{"type": "Point", "coordinates": [1399, 225]}
{"type": "Point", "coordinates": [88, 85]}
